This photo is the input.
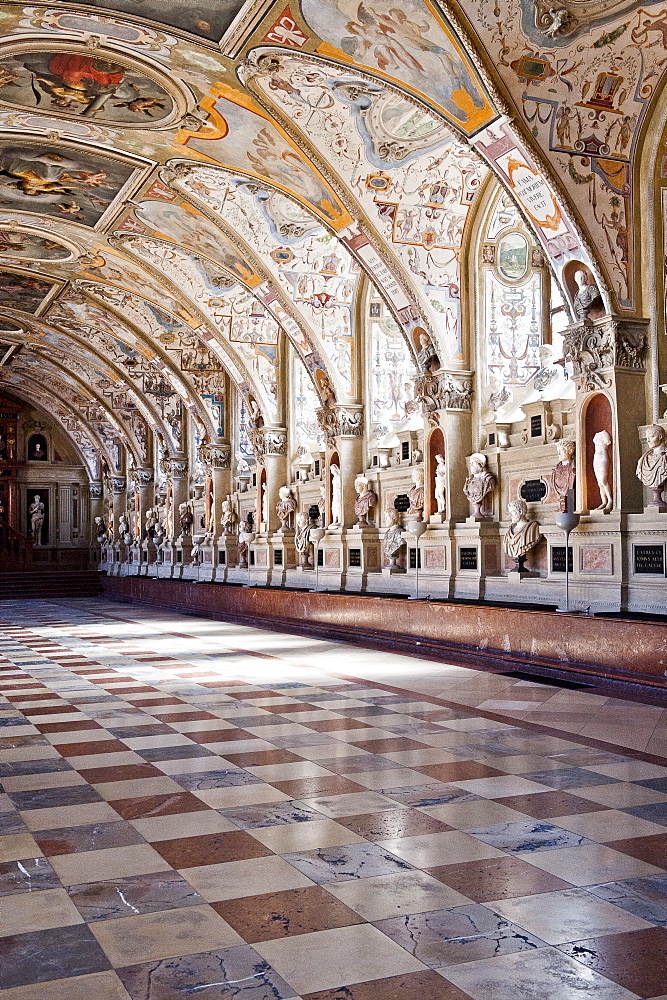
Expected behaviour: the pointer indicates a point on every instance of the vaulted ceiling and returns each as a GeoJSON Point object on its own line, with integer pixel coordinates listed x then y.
{"type": "Point", "coordinates": [189, 192]}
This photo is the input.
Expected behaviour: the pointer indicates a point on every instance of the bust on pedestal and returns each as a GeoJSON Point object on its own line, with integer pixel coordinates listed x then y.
{"type": "Point", "coordinates": [416, 495]}
{"type": "Point", "coordinates": [365, 502]}
{"type": "Point", "coordinates": [302, 542]}
{"type": "Point", "coordinates": [563, 474]}
{"type": "Point", "coordinates": [522, 535]}
{"type": "Point", "coordinates": [286, 506]}
{"type": "Point", "coordinates": [652, 467]}
{"type": "Point", "coordinates": [393, 540]}
{"type": "Point", "coordinates": [479, 484]}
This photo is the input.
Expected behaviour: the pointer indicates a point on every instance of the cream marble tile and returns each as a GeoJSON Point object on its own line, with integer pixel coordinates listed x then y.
{"type": "Point", "coordinates": [37, 911]}
{"type": "Point", "coordinates": [237, 879]}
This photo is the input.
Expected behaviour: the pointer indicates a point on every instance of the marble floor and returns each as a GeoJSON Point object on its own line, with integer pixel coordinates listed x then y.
{"type": "Point", "coordinates": [195, 808]}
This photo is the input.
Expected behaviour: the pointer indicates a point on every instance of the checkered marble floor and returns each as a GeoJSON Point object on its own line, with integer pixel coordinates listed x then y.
{"type": "Point", "coordinates": [194, 808]}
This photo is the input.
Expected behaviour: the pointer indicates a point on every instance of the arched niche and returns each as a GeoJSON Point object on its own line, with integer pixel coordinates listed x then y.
{"type": "Point", "coordinates": [597, 416]}
{"type": "Point", "coordinates": [435, 446]}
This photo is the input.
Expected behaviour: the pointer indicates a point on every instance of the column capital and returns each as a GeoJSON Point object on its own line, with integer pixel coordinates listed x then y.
{"type": "Point", "coordinates": [268, 441]}
{"type": "Point", "coordinates": [96, 490]}
{"type": "Point", "coordinates": [118, 484]}
{"type": "Point", "coordinates": [215, 456]}
{"type": "Point", "coordinates": [597, 347]}
{"type": "Point", "coordinates": [341, 421]}
{"type": "Point", "coordinates": [442, 390]}
{"type": "Point", "coordinates": [175, 468]}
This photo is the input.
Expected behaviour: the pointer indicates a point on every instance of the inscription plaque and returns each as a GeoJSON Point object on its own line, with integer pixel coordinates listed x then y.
{"type": "Point", "coordinates": [355, 557]}
{"type": "Point", "coordinates": [278, 557]}
{"type": "Point", "coordinates": [533, 490]}
{"type": "Point", "coordinates": [468, 558]}
{"type": "Point", "coordinates": [536, 425]}
{"type": "Point", "coordinates": [402, 503]}
{"type": "Point", "coordinates": [314, 512]}
{"type": "Point", "coordinates": [415, 559]}
{"type": "Point", "coordinates": [558, 559]}
{"type": "Point", "coordinates": [649, 559]}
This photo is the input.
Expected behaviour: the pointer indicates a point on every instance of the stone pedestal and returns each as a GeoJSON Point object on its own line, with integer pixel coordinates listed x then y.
{"type": "Point", "coordinates": [477, 554]}
{"type": "Point", "coordinates": [148, 555]}
{"type": "Point", "coordinates": [284, 556]}
{"type": "Point", "coordinates": [260, 561]}
{"type": "Point", "coordinates": [363, 550]}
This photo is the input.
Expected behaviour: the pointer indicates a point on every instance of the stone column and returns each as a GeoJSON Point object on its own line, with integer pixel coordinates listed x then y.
{"type": "Point", "coordinates": [96, 495]}
{"type": "Point", "coordinates": [119, 495]}
{"type": "Point", "coordinates": [146, 488]}
{"type": "Point", "coordinates": [178, 472]}
{"type": "Point", "coordinates": [270, 444]}
{"type": "Point", "coordinates": [608, 356]}
{"type": "Point", "coordinates": [217, 462]}
{"type": "Point", "coordinates": [343, 428]}
{"type": "Point", "coordinates": [447, 403]}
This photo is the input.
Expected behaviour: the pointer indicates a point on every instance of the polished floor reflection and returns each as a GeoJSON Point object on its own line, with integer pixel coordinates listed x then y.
{"type": "Point", "coordinates": [194, 808]}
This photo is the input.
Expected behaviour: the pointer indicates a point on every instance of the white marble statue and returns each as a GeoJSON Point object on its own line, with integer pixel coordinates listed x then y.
{"type": "Point", "coordinates": [265, 507]}
{"type": "Point", "coordinates": [601, 442]}
{"type": "Point", "coordinates": [322, 504]}
{"type": "Point", "coordinates": [366, 499]}
{"type": "Point", "coordinates": [336, 495]}
{"type": "Point", "coordinates": [228, 517]}
{"type": "Point", "coordinates": [124, 528]}
{"type": "Point", "coordinates": [652, 466]}
{"type": "Point", "coordinates": [523, 533]}
{"type": "Point", "coordinates": [393, 540]}
{"type": "Point", "coordinates": [587, 295]}
{"type": "Point", "coordinates": [562, 475]}
{"type": "Point", "coordinates": [101, 531]}
{"type": "Point", "coordinates": [302, 542]}
{"type": "Point", "coordinates": [440, 477]}
{"type": "Point", "coordinates": [37, 512]}
{"type": "Point", "coordinates": [479, 483]}
{"type": "Point", "coordinates": [416, 495]}
{"type": "Point", "coordinates": [286, 506]}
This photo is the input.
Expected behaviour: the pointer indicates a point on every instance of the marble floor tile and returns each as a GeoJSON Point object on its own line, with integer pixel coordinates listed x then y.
{"type": "Point", "coordinates": [87, 812]}
{"type": "Point", "coordinates": [15, 846]}
{"type": "Point", "coordinates": [351, 861]}
{"type": "Point", "coordinates": [435, 794]}
{"type": "Point", "coordinates": [194, 824]}
{"type": "Point", "coordinates": [645, 897]}
{"type": "Point", "coordinates": [546, 805]}
{"type": "Point", "coordinates": [466, 933]}
{"type": "Point", "coordinates": [58, 779]}
{"type": "Point", "coordinates": [237, 879]}
{"type": "Point", "coordinates": [591, 864]}
{"type": "Point", "coordinates": [296, 837]}
{"type": "Point", "coordinates": [636, 960]}
{"type": "Point", "coordinates": [351, 804]}
{"type": "Point", "coordinates": [527, 837]}
{"type": "Point", "coordinates": [100, 985]}
{"type": "Point", "coordinates": [479, 812]}
{"type": "Point", "coordinates": [497, 878]}
{"type": "Point", "coordinates": [433, 849]}
{"type": "Point", "coordinates": [149, 807]}
{"type": "Point", "coordinates": [89, 837]}
{"type": "Point", "coordinates": [211, 849]}
{"type": "Point", "coordinates": [331, 958]}
{"type": "Point", "coordinates": [534, 975]}
{"type": "Point", "coordinates": [621, 795]}
{"type": "Point", "coordinates": [652, 848]}
{"type": "Point", "coordinates": [50, 798]}
{"type": "Point", "coordinates": [164, 934]}
{"type": "Point", "coordinates": [215, 779]}
{"type": "Point", "coordinates": [135, 894]}
{"type": "Point", "coordinates": [114, 862]}
{"type": "Point", "coordinates": [38, 956]}
{"type": "Point", "coordinates": [502, 787]}
{"type": "Point", "coordinates": [611, 824]}
{"type": "Point", "coordinates": [272, 814]}
{"type": "Point", "coordinates": [569, 915]}
{"type": "Point", "coordinates": [654, 813]}
{"type": "Point", "coordinates": [425, 985]}
{"type": "Point", "coordinates": [569, 777]}
{"type": "Point", "coordinates": [392, 895]}
{"type": "Point", "coordinates": [214, 973]}
{"type": "Point", "coordinates": [27, 875]}
{"type": "Point", "coordinates": [389, 824]}
{"type": "Point", "coordinates": [37, 911]}
{"type": "Point", "coordinates": [285, 914]}
{"type": "Point", "coordinates": [241, 795]}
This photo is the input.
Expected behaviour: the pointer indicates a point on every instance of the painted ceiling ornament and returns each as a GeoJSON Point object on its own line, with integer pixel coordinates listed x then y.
{"type": "Point", "coordinates": [563, 20]}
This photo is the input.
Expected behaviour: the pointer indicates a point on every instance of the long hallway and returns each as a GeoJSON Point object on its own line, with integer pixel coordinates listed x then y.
{"type": "Point", "coordinates": [197, 808]}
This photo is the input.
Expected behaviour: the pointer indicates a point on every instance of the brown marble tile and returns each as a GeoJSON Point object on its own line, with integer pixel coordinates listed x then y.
{"type": "Point", "coordinates": [249, 693]}
{"type": "Point", "coordinates": [334, 725]}
{"type": "Point", "coordinates": [67, 727]}
{"type": "Point", "coordinates": [289, 707]}
{"type": "Point", "coordinates": [286, 914]}
{"type": "Point", "coordinates": [392, 823]}
{"type": "Point", "coordinates": [94, 747]}
{"type": "Point", "coordinates": [397, 745]}
{"type": "Point", "coordinates": [260, 758]}
{"type": "Point", "coordinates": [545, 805]}
{"type": "Point", "coordinates": [309, 788]}
{"type": "Point", "coordinates": [463, 770]}
{"type": "Point", "coordinates": [219, 735]}
{"type": "Point", "coordinates": [52, 710]}
{"type": "Point", "coordinates": [497, 878]}
{"type": "Point", "coordinates": [147, 702]}
{"type": "Point", "coordinates": [426, 985]}
{"type": "Point", "coordinates": [213, 849]}
{"type": "Point", "coordinates": [126, 772]}
{"type": "Point", "coordinates": [148, 806]}
{"type": "Point", "coordinates": [652, 849]}
{"type": "Point", "coordinates": [636, 960]}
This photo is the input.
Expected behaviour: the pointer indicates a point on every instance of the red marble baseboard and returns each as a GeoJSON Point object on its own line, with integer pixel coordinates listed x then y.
{"type": "Point", "coordinates": [605, 647]}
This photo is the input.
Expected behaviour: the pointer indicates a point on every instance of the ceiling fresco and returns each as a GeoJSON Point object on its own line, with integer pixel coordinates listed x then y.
{"type": "Point", "coordinates": [199, 196]}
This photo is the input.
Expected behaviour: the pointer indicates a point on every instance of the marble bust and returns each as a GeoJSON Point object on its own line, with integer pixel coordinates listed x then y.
{"type": "Point", "coordinates": [286, 506]}
{"type": "Point", "coordinates": [427, 356]}
{"type": "Point", "coordinates": [522, 535]}
{"type": "Point", "coordinates": [228, 517]}
{"type": "Point", "coordinates": [652, 466]}
{"type": "Point", "coordinates": [393, 540]}
{"type": "Point", "coordinates": [302, 542]}
{"type": "Point", "coordinates": [416, 494]}
{"type": "Point", "coordinates": [366, 499]}
{"type": "Point", "coordinates": [479, 484]}
{"type": "Point", "coordinates": [587, 295]}
{"type": "Point", "coordinates": [563, 474]}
